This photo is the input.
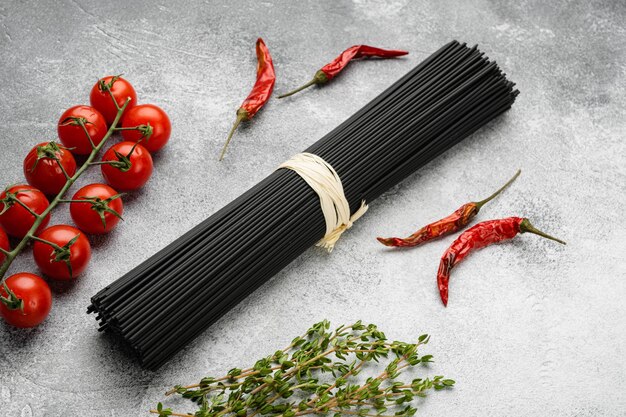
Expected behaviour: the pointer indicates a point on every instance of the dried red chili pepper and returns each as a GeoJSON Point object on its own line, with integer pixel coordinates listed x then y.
{"type": "Point", "coordinates": [452, 223]}
{"type": "Point", "coordinates": [329, 71]}
{"type": "Point", "coordinates": [476, 237]}
{"type": "Point", "coordinates": [261, 92]}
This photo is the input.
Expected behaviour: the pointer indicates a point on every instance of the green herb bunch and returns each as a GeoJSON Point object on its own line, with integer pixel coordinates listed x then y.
{"type": "Point", "coordinates": [296, 381]}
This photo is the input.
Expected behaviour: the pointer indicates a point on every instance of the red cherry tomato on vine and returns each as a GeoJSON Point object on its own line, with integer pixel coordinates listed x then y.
{"type": "Point", "coordinates": [44, 166]}
{"type": "Point", "coordinates": [70, 256]}
{"type": "Point", "coordinates": [132, 166]}
{"type": "Point", "coordinates": [30, 302]}
{"type": "Point", "coordinates": [4, 244]}
{"type": "Point", "coordinates": [15, 219]}
{"type": "Point", "coordinates": [156, 126]}
{"type": "Point", "coordinates": [101, 211]}
{"type": "Point", "coordinates": [101, 99]}
{"type": "Point", "coordinates": [73, 136]}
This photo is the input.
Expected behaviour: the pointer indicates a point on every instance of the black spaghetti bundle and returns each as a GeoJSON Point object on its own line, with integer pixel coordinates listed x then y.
{"type": "Point", "coordinates": [168, 300]}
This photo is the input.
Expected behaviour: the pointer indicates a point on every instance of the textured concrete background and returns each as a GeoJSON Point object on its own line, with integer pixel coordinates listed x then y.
{"type": "Point", "coordinates": [533, 328]}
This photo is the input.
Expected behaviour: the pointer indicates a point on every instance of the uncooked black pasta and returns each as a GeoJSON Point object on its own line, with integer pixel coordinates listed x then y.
{"type": "Point", "coordinates": [165, 302]}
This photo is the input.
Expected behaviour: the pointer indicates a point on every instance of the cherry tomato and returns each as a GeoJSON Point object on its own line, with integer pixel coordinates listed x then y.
{"type": "Point", "coordinates": [16, 220]}
{"type": "Point", "coordinates": [4, 244]}
{"type": "Point", "coordinates": [42, 167]}
{"type": "Point", "coordinates": [132, 168]}
{"type": "Point", "coordinates": [71, 256]}
{"type": "Point", "coordinates": [156, 126]}
{"type": "Point", "coordinates": [101, 211]}
{"type": "Point", "coordinates": [101, 99]}
{"type": "Point", "coordinates": [72, 134]}
{"type": "Point", "coordinates": [31, 303]}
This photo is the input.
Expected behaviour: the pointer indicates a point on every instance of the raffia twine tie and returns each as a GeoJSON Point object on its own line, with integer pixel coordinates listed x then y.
{"type": "Point", "coordinates": [323, 179]}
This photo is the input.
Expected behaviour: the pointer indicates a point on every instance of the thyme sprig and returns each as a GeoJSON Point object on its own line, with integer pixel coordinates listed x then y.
{"type": "Point", "coordinates": [318, 373]}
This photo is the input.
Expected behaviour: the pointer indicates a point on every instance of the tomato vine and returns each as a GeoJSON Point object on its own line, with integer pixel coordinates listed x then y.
{"type": "Point", "coordinates": [10, 255]}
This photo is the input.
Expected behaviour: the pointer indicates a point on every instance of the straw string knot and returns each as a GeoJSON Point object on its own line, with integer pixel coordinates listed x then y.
{"type": "Point", "coordinates": [325, 181]}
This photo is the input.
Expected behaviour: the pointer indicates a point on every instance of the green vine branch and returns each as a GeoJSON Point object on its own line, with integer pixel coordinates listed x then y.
{"type": "Point", "coordinates": [318, 373]}
{"type": "Point", "coordinates": [12, 254]}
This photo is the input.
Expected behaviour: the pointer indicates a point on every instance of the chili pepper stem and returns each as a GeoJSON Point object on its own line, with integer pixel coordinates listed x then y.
{"type": "Point", "coordinates": [526, 226]}
{"type": "Point", "coordinates": [297, 90]}
{"type": "Point", "coordinates": [241, 116]}
{"type": "Point", "coordinates": [319, 78]}
{"type": "Point", "coordinates": [481, 203]}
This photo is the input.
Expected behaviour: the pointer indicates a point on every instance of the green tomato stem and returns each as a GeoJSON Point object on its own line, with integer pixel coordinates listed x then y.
{"type": "Point", "coordinates": [21, 203]}
{"type": "Point", "coordinates": [67, 176]}
{"type": "Point", "coordinates": [81, 122]}
{"type": "Point", "coordinates": [75, 201]}
{"type": "Point", "coordinates": [105, 163]}
{"type": "Point", "coordinates": [47, 242]}
{"type": "Point", "coordinates": [119, 129]}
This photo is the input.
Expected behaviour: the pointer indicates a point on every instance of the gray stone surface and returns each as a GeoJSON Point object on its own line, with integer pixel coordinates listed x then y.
{"type": "Point", "coordinates": [532, 328]}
